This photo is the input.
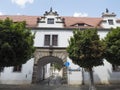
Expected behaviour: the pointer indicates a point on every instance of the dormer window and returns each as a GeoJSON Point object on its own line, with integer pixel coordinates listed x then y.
{"type": "Point", "coordinates": [81, 25]}
{"type": "Point", "coordinates": [118, 21]}
{"type": "Point", "coordinates": [110, 22]}
{"type": "Point", "coordinates": [104, 21]}
{"type": "Point", "coordinates": [50, 21]}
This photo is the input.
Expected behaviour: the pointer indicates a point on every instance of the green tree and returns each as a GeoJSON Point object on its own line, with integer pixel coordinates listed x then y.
{"type": "Point", "coordinates": [86, 50]}
{"type": "Point", "coordinates": [16, 43]}
{"type": "Point", "coordinates": [112, 40]}
{"type": "Point", "coordinates": [57, 66]}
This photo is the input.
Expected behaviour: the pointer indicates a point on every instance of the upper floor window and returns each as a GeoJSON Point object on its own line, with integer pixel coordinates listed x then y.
{"type": "Point", "coordinates": [47, 40]}
{"type": "Point", "coordinates": [51, 40]}
{"type": "Point", "coordinates": [110, 21]}
{"type": "Point", "coordinates": [54, 40]}
{"type": "Point", "coordinates": [17, 68]}
{"type": "Point", "coordinates": [50, 21]}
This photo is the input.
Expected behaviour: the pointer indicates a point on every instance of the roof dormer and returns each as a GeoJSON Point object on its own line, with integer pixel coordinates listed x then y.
{"type": "Point", "coordinates": [50, 19]}
{"type": "Point", "coordinates": [109, 19]}
{"type": "Point", "coordinates": [81, 24]}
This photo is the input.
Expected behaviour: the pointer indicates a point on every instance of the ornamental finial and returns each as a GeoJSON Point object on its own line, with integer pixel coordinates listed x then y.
{"type": "Point", "coordinates": [107, 10]}
{"type": "Point", "coordinates": [51, 9]}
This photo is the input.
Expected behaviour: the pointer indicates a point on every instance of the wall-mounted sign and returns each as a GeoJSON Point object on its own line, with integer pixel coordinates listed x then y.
{"type": "Point", "coordinates": [67, 64]}
{"type": "Point", "coordinates": [77, 69]}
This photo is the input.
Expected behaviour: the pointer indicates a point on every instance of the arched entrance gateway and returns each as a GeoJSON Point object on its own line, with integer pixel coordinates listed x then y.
{"type": "Point", "coordinates": [45, 56]}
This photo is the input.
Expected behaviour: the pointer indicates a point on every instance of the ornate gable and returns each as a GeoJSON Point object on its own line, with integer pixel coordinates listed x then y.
{"type": "Point", "coordinates": [50, 19]}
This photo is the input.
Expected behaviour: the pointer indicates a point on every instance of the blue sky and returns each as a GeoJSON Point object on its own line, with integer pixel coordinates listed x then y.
{"type": "Point", "coordinates": [91, 8]}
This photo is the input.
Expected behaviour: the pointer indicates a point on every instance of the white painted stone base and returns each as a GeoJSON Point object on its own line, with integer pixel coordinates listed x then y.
{"type": "Point", "coordinates": [15, 82]}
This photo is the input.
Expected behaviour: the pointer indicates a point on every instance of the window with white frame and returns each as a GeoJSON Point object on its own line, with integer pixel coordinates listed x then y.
{"type": "Point", "coordinates": [50, 21]}
{"type": "Point", "coordinates": [51, 40]}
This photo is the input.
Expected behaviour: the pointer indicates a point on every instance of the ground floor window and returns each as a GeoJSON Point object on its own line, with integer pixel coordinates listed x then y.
{"type": "Point", "coordinates": [17, 68]}
{"type": "Point", "coordinates": [116, 68]}
{"type": "Point", "coordinates": [1, 69]}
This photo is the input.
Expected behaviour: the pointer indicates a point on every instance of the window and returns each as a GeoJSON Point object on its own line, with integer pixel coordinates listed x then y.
{"type": "Point", "coordinates": [51, 40]}
{"type": "Point", "coordinates": [47, 40]}
{"type": "Point", "coordinates": [110, 21]}
{"type": "Point", "coordinates": [17, 68]}
{"type": "Point", "coordinates": [104, 21]}
{"type": "Point", "coordinates": [1, 69]}
{"type": "Point", "coordinates": [50, 21]}
{"type": "Point", "coordinates": [116, 68]}
{"type": "Point", "coordinates": [54, 40]}
{"type": "Point", "coordinates": [118, 21]}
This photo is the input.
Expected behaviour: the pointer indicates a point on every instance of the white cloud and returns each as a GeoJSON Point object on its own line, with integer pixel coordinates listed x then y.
{"type": "Point", "coordinates": [1, 13]}
{"type": "Point", "coordinates": [18, 14]}
{"type": "Point", "coordinates": [76, 14]}
{"type": "Point", "coordinates": [22, 3]}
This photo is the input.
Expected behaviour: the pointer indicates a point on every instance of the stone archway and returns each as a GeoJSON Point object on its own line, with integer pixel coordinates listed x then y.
{"type": "Point", "coordinates": [42, 62]}
{"type": "Point", "coordinates": [47, 55]}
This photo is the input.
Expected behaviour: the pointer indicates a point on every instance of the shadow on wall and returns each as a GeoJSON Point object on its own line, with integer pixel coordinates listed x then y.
{"type": "Point", "coordinates": [97, 80]}
{"type": "Point", "coordinates": [108, 77]}
{"type": "Point", "coordinates": [114, 77]}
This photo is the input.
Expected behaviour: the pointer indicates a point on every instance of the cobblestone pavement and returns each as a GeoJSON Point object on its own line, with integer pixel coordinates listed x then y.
{"type": "Point", "coordinates": [56, 87]}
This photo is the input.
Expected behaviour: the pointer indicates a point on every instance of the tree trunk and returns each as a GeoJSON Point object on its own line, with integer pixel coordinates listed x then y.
{"type": "Point", "coordinates": [83, 77]}
{"type": "Point", "coordinates": [92, 86]}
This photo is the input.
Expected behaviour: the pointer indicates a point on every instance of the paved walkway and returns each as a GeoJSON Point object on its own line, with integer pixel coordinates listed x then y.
{"type": "Point", "coordinates": [54, 83]}
{"type": "Point", "coordinates": [57, 87]}
{"type": "Point", "coordinates": [53, 80]}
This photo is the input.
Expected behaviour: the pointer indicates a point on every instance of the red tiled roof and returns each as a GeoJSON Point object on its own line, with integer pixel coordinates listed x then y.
{"type": "Point", "coordinates": [69, 21]}
{"type": "Point", "coordinates": [94, 22]}
{"type": "Point", "coordinates": [31, 21]}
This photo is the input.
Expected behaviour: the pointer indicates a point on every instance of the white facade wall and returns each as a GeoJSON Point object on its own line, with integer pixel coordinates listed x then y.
{"type": "Point", "coordinates": [63, 37]}
{"type": "Point", "coordinates": [74, 77]}
{"type": "Point", "coordinates": [48, 71]}
{"type": "Point", "coordinates": [23, 77]}
{"type": "Point", "coordinates": [102, 33]}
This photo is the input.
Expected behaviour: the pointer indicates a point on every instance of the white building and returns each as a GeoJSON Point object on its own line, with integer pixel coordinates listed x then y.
{"type": "Point", "coordinates": [52, 33]}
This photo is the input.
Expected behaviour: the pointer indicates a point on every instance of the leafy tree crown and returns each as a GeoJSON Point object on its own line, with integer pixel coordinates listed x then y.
{"type": "Point", "coordinates": [85, 48]}
{"type": "Point", "coordinates": [16, 43]}
{"type": "Point", "coordinates": [112, 40]}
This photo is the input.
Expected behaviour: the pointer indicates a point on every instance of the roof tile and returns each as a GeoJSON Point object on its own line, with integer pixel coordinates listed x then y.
{"type": "Point", "coordinates": [69, 21]}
